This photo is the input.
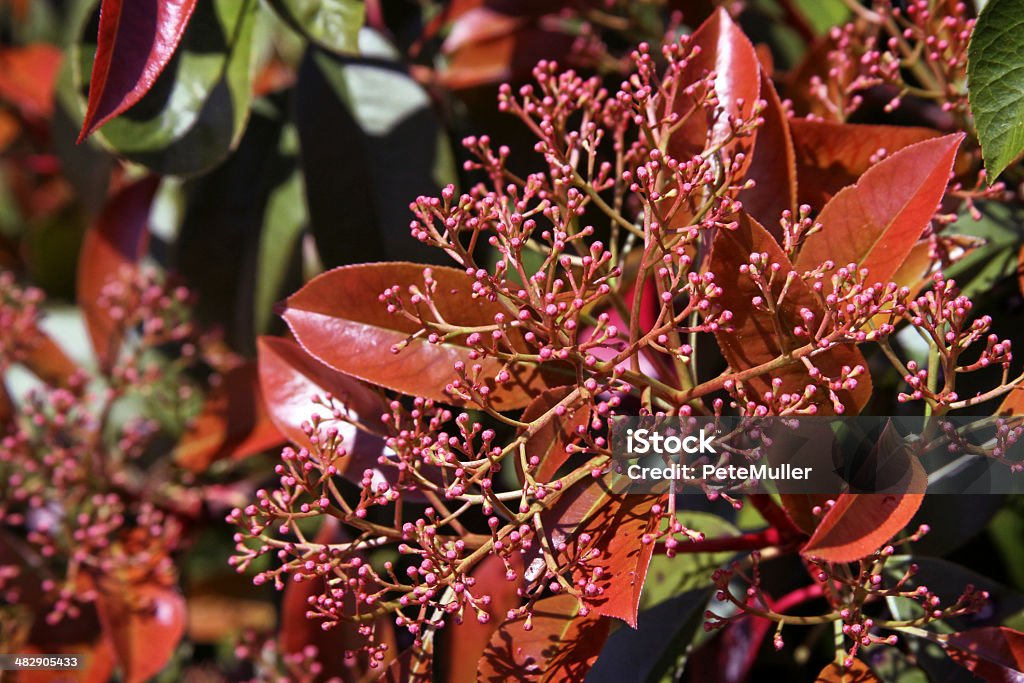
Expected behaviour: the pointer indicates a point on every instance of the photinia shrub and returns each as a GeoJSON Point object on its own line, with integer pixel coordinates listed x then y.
{"type": "Point", "coordinates": [748, 211]}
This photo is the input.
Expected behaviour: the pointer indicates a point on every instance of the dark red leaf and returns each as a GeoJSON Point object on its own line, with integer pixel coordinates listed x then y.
{"type": "Point", "coordinates": [859, 524]}
{"type": "Point", "coordinates": [338, 318]}
{"type": "Point", "coordinates": [118, 239]}
{"type": "Point", "coordinates": [616, 522]}
{"type": "Point", "coordinates": [993, 653]}
{"type": "Point", "coordinates": [772, 165]}
{"type": "Point", "coordinates": [876, 223]}
{"type": "Point", "coordinates": [414, 665]}
{"type": "Point", "coordinates": [233, 423]}
{"type": "Point", "coordinates": [753, 340]}
{"type": "Point", "coordinates": [561, 646]}
{"type": "Point", "coordinates": [727, 51]}
{"type": "Point", "coordinates": [830, 156]}
{"type": "Point", "coordinates": [28, 76]}
{"type": "Point", "coordinates": [136, 40]}
{"type": "Point", "coordinates": [464, 644]}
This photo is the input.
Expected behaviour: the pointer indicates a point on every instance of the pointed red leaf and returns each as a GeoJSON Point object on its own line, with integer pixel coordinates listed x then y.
{"type": "Point", "coordinates": [993, 653]}
{"type": "Point", "coordinates": [616, 522]}
{"type": "Point", "coordinates": [561, 646]}
{"type": "Point", "coordinates": [772, 165]}
{"type": "Point", "coordinates": [859, 524]}
{"type": "Point", "coordinates": [48, 361]}
{"type": "Point", "coordinates": [338, 318]}
{"type": "Point", "coordinates": [877, 222]}
{"type": "Point", "coordinates": [118, 238]}
{"type": "Point", "coordinates": [830, 156]}
{"type": "Point", "coordinates": [753, 340]}
{"type": "Point", "coordinates": [136, 40]}
{"type": "Point", "coordinates": [727, 51]}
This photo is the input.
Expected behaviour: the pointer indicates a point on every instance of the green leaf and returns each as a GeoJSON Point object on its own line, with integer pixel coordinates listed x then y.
{"type": "Point", "coordinates": [995, 72]}
{"type": "Point", "coordinates": [331, 24]}
{"type": "Point", "coordinates": [978, 272]}
{"type": "Point", "coordinates": [668, 577]}
{"type": "Point", "coordinates": [195, 113]}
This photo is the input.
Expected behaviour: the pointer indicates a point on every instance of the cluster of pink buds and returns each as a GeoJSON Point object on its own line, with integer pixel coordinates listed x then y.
{"type": "Point", "coordinates": [19, 315]}
{"type": "Point", "coordinates": [918, 51]}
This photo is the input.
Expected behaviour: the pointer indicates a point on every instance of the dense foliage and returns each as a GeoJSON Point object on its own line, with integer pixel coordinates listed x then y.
{"type": "Point", "coordinates": [297, 387]}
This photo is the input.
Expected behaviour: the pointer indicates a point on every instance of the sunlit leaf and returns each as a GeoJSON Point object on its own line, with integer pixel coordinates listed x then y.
{"type": "Point", "coordinates": [560, 646]}
{"type": "Point", "coordinates": [331, 24]}
{"type": "Point", "coordinates": [876, 222]}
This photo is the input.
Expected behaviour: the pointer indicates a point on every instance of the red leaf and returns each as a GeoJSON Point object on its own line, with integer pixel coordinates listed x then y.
{"type": "Point", "coordinates": [28, 76]}
{"type": "Point", "coordinates": [727, 51]}
{"type": "Point", "coordinates": [772, 165]}
{"type": "Point", "coordinates": [290, 379]}
{"type": "Point", "coordinates": [48, 362]}
{"type": "Point", "coordinates": [857, 673]}
{"type": "Point", "coordinates": [877, 222]}
{"type": "Point", "coordinates": [136, 40]}
{"type": "Point", "coordinates": [548, 442]}
{"type": "Point", "coordinates": [144, 622]}
{"type": "Point", "coordinates": [232, 424]}
{"type": "Point", "coordinates": [616, 522]}
{"type": "Point", "coordinates": [859, 524]}
{"type": "Point", "coordinates": [465, 643]}
{"type": "Point", "coordinates": [830, 156]}
{"type": "Point", "coordinates": [296, 632]}
{"type": "Point", "coordinates": [753, 340]}
{"type": "Point", "coordinates": [993, 653]}
{"type": "Point", "coordinates": [338, 319]}
{"type": "Point", "coordinates": [117, 239]}
{"type": "Point", "coordinates": [561, 646]}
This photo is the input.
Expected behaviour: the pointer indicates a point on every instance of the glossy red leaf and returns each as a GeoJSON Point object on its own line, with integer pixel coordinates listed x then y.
{"type": "Point", "coordinates": [117, 239]}
{"type": "Point", "coordinates": [993, 653]}
{"type": "Point", "coordinates": [464, 644]}
{"type": "Point", "coordinates": [753, 340]}
{"type": "Point", "coordinates": [561, 646]}
{"type": "Point", "coordinates": [727, 51]}
{"type": "Point", "coordinates": [859, 672]}
{"type": "Point", "coordinates": [290, 379]}
{"type": "Point", "coordinates": [296, 631]}
{"type": "Point", "coordinates": [876, 222]}
{"type": "Point", "coordinates": [616, 522]}
{"type": "Point", "coordinates": [859, 524]}
{"type": "Point", "coordinates": [28, 77]}
{"type": "Point", "coordinates": [48, 361]}
{"type": "Point", "coordinates": [143, 621]}
{"type": "Point", "coordinates": [233, 423]}
{"type": "Point", "coordinates": [338, 318]}
{"type": "Point", "coordinates": [772, 165]}
{"type": "Point", "coordinates": [136, 40]}
{"type": "Point", "coordinates": [830, 156]}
